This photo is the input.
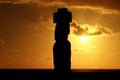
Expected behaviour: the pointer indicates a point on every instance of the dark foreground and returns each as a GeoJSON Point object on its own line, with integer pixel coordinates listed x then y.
{"type": "Point", "coordinates": [48, 74]}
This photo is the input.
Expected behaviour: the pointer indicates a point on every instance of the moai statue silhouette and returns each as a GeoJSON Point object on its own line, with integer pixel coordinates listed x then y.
{"type": "Point", "coordinates": [62, 47]}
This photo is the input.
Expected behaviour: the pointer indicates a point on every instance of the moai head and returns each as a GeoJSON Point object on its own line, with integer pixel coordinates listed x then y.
{"type": "Point", "coordinates": [62, 16]}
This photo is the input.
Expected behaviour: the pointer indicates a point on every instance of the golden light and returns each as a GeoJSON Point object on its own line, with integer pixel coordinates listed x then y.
{"type": "Point", "coordinates": [84, 38]}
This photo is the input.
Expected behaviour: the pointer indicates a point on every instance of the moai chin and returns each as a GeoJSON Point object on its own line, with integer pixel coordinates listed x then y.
{"type": "Point", "coordinates": [62, 47]}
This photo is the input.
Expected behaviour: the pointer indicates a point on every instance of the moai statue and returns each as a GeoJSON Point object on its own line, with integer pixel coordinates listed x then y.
{"type": "Point", "coordinates": [62, 47]}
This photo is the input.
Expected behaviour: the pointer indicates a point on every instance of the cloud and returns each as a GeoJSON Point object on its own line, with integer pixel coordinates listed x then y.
{"type": "Point", "coordinates": [42, 3]}
{"type": "Point", "coordinates": [106, 4]}
{"type": "Point", "coordinates": [91, 30]}
{"type": "Point", "coordinates": [47, 23]}
{"type": "Point", "coordinates": [78, 29]}
{"type": "Point", "coordinates": [2, 42]}
{"type": "Point", "coordinates": [101, 10]}
{"type": "Point", "coordinates": [97, 5]}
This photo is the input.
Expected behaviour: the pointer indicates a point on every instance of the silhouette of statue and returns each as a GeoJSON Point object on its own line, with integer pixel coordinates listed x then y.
{"type": "Point", "coordinates": [62, 47]}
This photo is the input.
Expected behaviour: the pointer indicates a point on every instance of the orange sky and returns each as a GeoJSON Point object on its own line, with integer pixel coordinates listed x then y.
{"type": "Point", "coordinates": [27, 33]}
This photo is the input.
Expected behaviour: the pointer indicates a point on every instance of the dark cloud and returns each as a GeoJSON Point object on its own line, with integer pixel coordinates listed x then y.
{"type": "Point", "coordinates": [109, 4]}
{"type": "Point", "coordinates": [91, 30]}
{"type": "Point", "coordinates": [78, 30]}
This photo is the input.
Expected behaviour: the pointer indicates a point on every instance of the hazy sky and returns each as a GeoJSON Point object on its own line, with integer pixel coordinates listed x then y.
{"type": "Point", "coordinates": [27, 33]}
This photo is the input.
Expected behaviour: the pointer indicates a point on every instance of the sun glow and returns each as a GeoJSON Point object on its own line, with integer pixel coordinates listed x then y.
{"type": "Point", "coordinates": [84, 38]}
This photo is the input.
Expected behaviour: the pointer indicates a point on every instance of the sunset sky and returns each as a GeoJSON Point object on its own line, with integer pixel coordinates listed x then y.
{"type": "Point", "coordinates": [27, 33]}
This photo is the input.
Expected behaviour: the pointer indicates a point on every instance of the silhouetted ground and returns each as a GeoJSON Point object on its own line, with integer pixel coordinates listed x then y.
{"type": "Point", "coordinates": [47, 74]}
